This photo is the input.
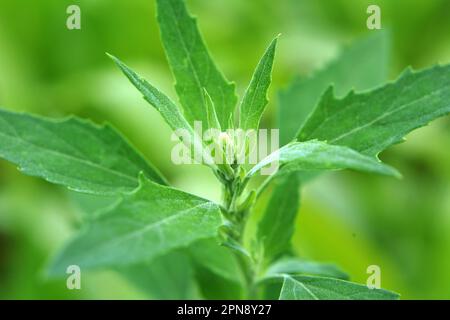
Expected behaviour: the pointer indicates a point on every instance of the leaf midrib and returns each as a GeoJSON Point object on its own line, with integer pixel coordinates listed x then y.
{"type": "Point", "coordinates": [188, 54]}
{"type": "Point", "coordinates": [258, 84]}
{"type": "Point", "coordinates": [71, 157]}
{"type": "Point", "coordinates": [285, 276]}
{"type": "Point", "coordinates": [386, 114]}
{"type": "Point", "coordinates": [149, 227]}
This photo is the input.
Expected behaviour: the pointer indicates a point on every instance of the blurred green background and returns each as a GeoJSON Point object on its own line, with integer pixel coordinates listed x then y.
{"type": "Point", "coordinates": [353, 219]}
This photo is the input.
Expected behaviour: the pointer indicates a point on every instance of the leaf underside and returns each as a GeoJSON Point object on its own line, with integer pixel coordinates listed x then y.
{"type": "Point", "coordinates": [297, 266]}
{"type": "Point", "coordinates": [316, 155]}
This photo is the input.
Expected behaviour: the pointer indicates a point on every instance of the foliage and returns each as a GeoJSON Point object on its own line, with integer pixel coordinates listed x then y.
{"type": "Point", "coordinates": [154, 225]}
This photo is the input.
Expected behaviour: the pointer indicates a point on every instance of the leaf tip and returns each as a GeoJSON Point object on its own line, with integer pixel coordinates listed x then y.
{"type": "Point", "coordinates": [111, 56]}
{"type": "Point", "coordinates": [329, 92]}
{"type": "Point", "coordinates": [274, 42]}
{"type": "Point", "coordinates": [397, 174]}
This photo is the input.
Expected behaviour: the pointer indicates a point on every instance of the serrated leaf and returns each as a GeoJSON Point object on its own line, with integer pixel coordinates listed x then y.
{"type": "Point", "coordinates": [72, 152]}
{"type": "Point", "coordinates": [372, 121]}
{"type": "Point", "coordinates": [255, 97]}
{"type": "Point", "coordinates": [297, 266]}
{"type": "Point", "coordinates": [169, 111]}
{"type": "Point", "coordinates": [316, 156]}
{"type": "Point", "coordinates": [276, 226]}
{"type": "Point", "coordinates": [319, 288]}
{"type": "Point", "coordinates": [192, 65]}
{"type": "Point", "coordinates": [151, 221]}
{"type": "Point", "coordinates": [363, 65]}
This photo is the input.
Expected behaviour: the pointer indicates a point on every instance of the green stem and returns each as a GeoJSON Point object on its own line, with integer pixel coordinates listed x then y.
{"type": "Point", "coordinates": [246, 272]}
{"type": "Point", "coordinates": [231, 193]}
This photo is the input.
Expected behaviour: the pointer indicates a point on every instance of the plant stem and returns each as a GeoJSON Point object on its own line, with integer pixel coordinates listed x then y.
{"type": "Point", "coordinates": [246, 266]}
{"type": "Point", "coordinates": [237, 221]}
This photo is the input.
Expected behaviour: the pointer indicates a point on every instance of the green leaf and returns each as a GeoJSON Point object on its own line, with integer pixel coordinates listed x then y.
{"type": "Point", "coordinates": [318, 288]}
{"type": "Point", "coordinates": [216, 270]}
{"type": "Point", "coordinates": [170, 276]}
{"type": "Point", "coordinates": [218, 259]}
{"type": "Point", "coordinates": [255, 98]}
{"type": "Point", "coordinates": [88, 205]}
{"type": "Point", "coordinates": [147, 223]}
{"type": "Point", "coordinates": [213, 287]}
{"type": "Point", "coordinates": [213, 121]}
{"type": "Point", "coordinates": [372, 121]}
{"type": "Point", "coordinates": [169, 111]}
{"type": "Point", "coordinates": [363, 65]}
{"type": "Point", "coordinates": [74, 153]}
{"type": "Point", "coordinates": [276, 227]}
{"type": "Point", "coordinates": [166, 108]}
{"type": "Point", "coordinates": [316, 155]}
{"type": "Point", "coordinates": [192, 65]}
{"type": "Point", "coordinates": [296, 266]}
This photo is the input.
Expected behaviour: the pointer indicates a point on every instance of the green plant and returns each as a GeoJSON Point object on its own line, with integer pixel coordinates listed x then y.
{"type": "Point", "coordinates": [167, 240]}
